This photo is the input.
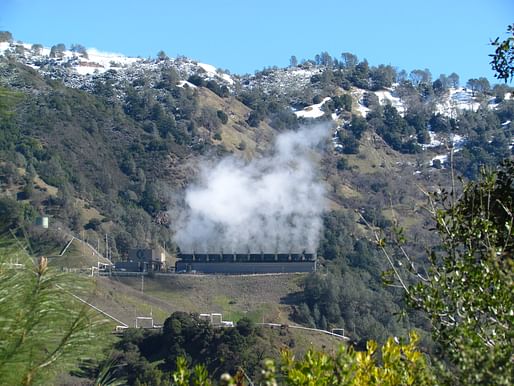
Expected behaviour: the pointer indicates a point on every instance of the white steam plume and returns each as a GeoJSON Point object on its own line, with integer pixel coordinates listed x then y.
{"type": "Point", "coordinates": [271, 204]}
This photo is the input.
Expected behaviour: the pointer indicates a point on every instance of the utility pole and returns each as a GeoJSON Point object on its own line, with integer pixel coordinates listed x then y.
{"type": "Point", "coordinates": [106, 246]}
{"type": "Point", "coordinates": [142, 282]}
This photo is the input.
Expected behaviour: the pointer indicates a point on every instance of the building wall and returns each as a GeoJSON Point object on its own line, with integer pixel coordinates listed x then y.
{"type": "Point", "coordinates": [140, 254]}
{"type": "Point", "coordinates": [246, 268]}
{"type": "Point", "coordinates": [131, 266]}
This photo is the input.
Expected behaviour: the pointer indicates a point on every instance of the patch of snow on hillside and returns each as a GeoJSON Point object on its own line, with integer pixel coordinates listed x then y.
{"type": "Point", "coordinates": [213, 72]}
{"type": "Point", "coordinates": [209, 68]}
{"type": "Point", "coordinates": [363, 110]}
{"type": "Point", "coordinates": [434, 141]}
{"type": "Point", "coordinates": [385, 96]}
{"type": "Point", "coordinates": [458, 99]}
{"type": "Point", "coordinates": [358, 94]}
{"type": "Point", "coordinates": [3, 47]}
{"type": "Point", "coordinates": [312, 111]}
{"type": "Point", "coordinates": [335, 140]}
{"type": "Point", "coordinates": [443, 158]}
{"type": "Point", "coordinates": [306, 73]}
{"type": "Point", "coordinates": [106, 58]}
{"type": "Point", "coordinates": [185, 83]}
{"type": "Point", "coordinates": [45, 51]}
{"type": "Point", "coordinates": [492, 104]}
{"type": "Point", "coordinates": [98, 61]}
{"type": "Point", "coordinates": [457, 142]}
{"type": "Point", "coordinates": [282, 82]}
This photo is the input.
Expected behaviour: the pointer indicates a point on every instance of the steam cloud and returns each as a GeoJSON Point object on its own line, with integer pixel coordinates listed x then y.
{"type": "Point", "coordinates": [271, 204]}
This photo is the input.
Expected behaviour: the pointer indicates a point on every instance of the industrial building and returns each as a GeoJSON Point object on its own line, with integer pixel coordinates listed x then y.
{"type": "Point", "coordinates": [246, 263]}
{"type": "Point", "coordinates": [143, 260]}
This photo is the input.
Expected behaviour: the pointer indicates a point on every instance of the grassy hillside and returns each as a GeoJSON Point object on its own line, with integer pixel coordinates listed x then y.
{"type": "Point", "coordinates": [258, 297]}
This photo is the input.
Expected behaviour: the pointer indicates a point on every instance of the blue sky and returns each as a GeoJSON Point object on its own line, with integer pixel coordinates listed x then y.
{"type": "Point", "coordinates": [247, 35]}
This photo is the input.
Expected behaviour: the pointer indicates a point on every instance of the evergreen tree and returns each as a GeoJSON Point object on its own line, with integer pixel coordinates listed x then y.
{"type": "Point", "coordinates": [57, 51]}
{"type": "Point", "coordinates": [349, 60]}
{"type": "Point", "coordinates": [37, 49]}
{"type": "Point", "coordinates": [5, 36]}
{"type": "Point", "coordinates": [453, 78]}
{"type": "Point", "coordinates": [44, 330]}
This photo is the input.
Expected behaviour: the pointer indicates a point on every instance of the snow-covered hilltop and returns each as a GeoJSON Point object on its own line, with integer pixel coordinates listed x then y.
{"type": "Point", "coordinates": [307, 91]}
{"type": "Point", "coordinates": [283, 81]}
{"type": "Point", "coordinates": [83, 62]}
{"type": "Point", "coordinates": [78, 67]}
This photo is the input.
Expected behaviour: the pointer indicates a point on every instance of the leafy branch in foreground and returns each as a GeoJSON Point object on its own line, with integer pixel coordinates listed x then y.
{"type": "Point", "coordinates": [503, 58]}
{"type": "Point", "coordinates": [43, 330]}
{"type": "Point", "coordinates": [395, 364]}
{"type": "Point", "coordinates": [467, 290]}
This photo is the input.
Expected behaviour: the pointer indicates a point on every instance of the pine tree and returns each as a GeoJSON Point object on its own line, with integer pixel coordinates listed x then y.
{"type": "Point", "coordinates": [44, 330]}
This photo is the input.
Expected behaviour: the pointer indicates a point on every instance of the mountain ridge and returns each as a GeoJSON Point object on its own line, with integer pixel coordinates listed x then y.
{"type": "Point", "coordinates": [149, 120]}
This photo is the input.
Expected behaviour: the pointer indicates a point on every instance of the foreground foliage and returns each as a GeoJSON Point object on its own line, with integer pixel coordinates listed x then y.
{"type": "Point", "coordinates": [154, 358]}
{"type": "Point", "coordinates": [43, 330]}
{"type": "Point", "coordinates": [502, 61]}
{"type": "Point", "coordinates": [467, 290]}
{"type": "Point", "coordinates": [191, 352]}
{"type": "Point", "coordinates": [395, 364]}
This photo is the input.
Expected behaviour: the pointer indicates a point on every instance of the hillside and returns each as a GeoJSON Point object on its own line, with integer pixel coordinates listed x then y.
{"type": "Point", "coordinates": [233, 297]}
{"type": "Point", "coordinates": [109, 147]}
{"type": "Point", "coordinates": [261, 298]}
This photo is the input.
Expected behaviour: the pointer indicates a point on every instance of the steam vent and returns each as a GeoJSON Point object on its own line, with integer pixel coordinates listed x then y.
{"type": "Point", "coordinates": [246, 263]}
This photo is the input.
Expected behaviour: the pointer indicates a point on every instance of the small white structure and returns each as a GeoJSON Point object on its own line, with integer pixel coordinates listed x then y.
{"type": "Point", "coordinates": [139, 319]}
{"type": "Point", "coordinates": [216, 320]}
{"type": "Point", "coordinates": [42, 222]}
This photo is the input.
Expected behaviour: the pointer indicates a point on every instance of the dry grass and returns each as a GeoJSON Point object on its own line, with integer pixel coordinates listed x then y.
{"type": "Point", "coordinates": [347, 191]}
{"type": "Point", "coordinates": [236, 130]}
{"type": "Point", "coordinates": [259, 297]}
{"type": "Point", "coordinates": [42, 185]}
{"type": "Point", "coordinates": [86, 211]}
{"type": "Point", "coordinates": [262, 298]}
